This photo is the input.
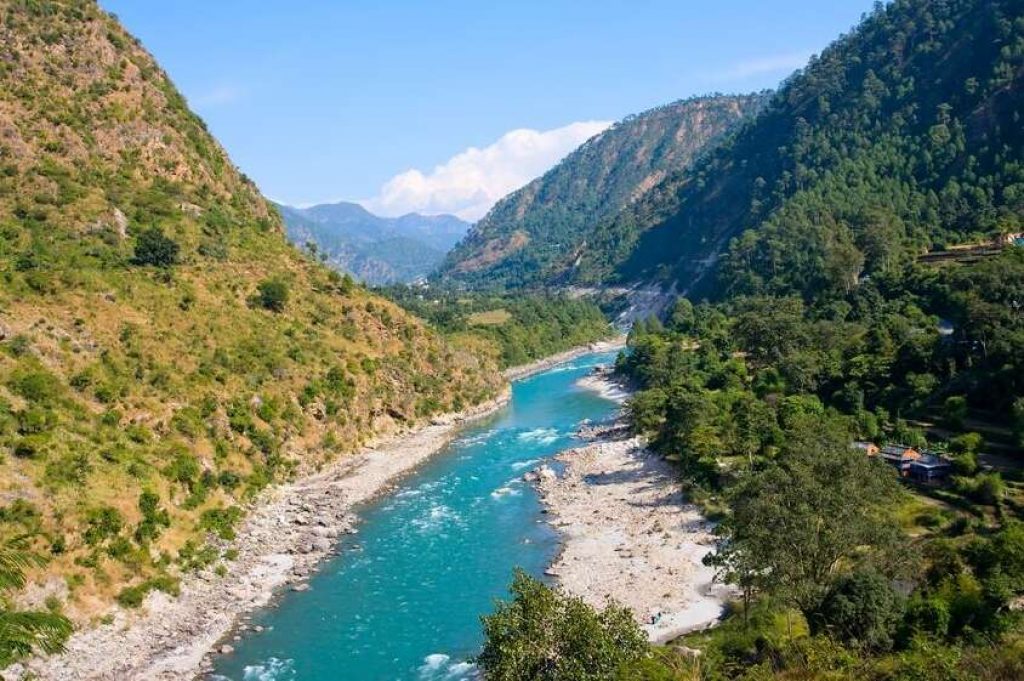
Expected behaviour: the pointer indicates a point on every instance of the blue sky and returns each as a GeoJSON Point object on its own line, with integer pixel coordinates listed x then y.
{"type": "Point", "coordinates": [320, 101]}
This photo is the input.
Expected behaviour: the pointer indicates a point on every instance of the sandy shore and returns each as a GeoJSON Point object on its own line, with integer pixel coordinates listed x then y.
{"type": "Point", "coordinates": [524, 370]}
{"type": "Point", "coordinates": [628, 533]}
{"type": "Point", "coordinates": [290, 530]}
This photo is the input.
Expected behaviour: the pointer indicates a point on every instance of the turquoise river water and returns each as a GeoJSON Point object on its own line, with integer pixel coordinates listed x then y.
{"type": "Point", "coordinates": [404, 598]}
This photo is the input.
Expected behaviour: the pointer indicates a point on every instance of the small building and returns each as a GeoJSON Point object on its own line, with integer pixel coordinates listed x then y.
{"type": "Point", "coordinates": [868, 448]}
{"type": "Point", "coordinates": [900, 457]}
{"type": "Point", "coordinates": [1013, 239]}
{"type": "Point", "coordinates": [930, 469]}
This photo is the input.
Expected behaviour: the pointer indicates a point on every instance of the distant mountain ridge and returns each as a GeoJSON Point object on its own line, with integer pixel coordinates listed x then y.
{"type": "Point", "coordinates": [374, 249]}
{"type": "Point", "coordinates": [535, 233]}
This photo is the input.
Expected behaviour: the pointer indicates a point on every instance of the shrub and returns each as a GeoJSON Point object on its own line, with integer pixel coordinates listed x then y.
{"type": "Point", "coordinates": [132, 596]}
{"type": "Point", "coordinates": [213, 249]}
{"type": "Point", "coordinates": [183, 469]}
{"type": "Point", "coordinates": [36, 385]}
{"type": "Point", "coordinates": [965, 464]}
{"type": "Point", "coordinates": [272, 295]}
{"type": "Point", "coordinates": [102, 523]}
{"type": "Point", "coordinates": [154, 248]}
{"type": "Point", "coordinates": [968, 443]}
{"type": "Point", "coordinates": [154, 518]}
{"type": "Point", "coordinates": [862, 610]}
{"type": "Point", "coordinates": [221, 521]}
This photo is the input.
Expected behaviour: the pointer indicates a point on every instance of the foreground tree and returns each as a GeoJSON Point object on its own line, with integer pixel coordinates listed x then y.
{"type": "Point", "coordinates": [546, 635]}
{"type": "Point", "coordinates": [24, 632]}
{"type": "Point", "coordinates": [799, 524]}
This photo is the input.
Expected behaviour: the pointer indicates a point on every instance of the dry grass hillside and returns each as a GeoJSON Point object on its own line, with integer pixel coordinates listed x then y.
{"type": "Point", "coordinates": [165, 353]}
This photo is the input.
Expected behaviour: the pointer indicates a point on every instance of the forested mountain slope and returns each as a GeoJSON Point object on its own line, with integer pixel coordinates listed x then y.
{"type": "Point", "coordinates": [536, 232]}
{"type": "Point", "coordinates": [373, 249]}
{"type": "Point", "coordinates": [164, 352]}
{"type": "Point", "coordinates": [905, 133]}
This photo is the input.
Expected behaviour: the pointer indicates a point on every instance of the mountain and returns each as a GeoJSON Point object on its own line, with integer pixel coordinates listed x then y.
{"type": "Point", "coordinates": [902, 135]}
{"type": "Point", "coordinates": [537, 231]}
{"type": "Point", "coordinates": [165, 353]}
{"type": "Point", "coordinates": [373, 249]}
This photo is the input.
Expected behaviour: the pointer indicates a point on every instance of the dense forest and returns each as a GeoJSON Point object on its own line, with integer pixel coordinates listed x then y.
{"type": "Point", "coordinates": [535, 234]}
{"type": "Point", "coordinates": [513, 329]}
{"type": "Point", "coordinates": [901, 136]}
{"type": "Point", "coordinates": [843, 569]}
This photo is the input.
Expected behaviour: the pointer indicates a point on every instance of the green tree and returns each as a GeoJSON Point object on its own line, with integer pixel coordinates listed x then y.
{"type": "Point", "coordinates": [800, 522]}
{"type": "Point", "coordinates": [546, 635]}
{"type": "Point", "coordinates": [155, 248]}
{"type": "Point", "coordinates": [22, 632]}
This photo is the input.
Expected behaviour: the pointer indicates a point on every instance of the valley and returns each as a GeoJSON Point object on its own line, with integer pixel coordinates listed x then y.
{"type": "Point", "coordinates": [732, 390]}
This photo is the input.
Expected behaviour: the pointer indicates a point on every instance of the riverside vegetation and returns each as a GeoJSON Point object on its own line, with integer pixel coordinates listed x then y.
{"type": "Point", "coordinates": [805, 228]}
{"type": "Point", "coordinates": [510, 329]}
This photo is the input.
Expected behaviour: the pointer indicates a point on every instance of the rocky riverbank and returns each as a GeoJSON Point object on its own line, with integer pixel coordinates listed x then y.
{"type": "Point", "coordinates": [286, 535]}
{"type": "Point", "coordinates": [628, 533]}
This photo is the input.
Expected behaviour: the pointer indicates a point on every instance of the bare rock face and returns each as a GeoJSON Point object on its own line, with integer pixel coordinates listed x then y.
{"type": "Point", "coordinates": [120, 224]}
{"type": "Point", "coordinates": [191, 209]}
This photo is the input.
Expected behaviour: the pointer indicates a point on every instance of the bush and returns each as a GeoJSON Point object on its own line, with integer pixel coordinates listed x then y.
{"type": "Point", "coordinates": [221, 521]}
{"type": "Point", "coordinates": [968, 443]}
{"type": "Point", "coordinates": [154, 518]}
{"type": "Point", "coordinates": [184, 469]}
{"type": "Point", "coordinates": [132, 596]}
{"type": "Point", "coordinates": [273, 295]}
{"type": "Point", "coordinates": [103, 523]}
{"type": "Point", "coordinates": [154, 248]}
{"type": "Point", "coordinates": [965, 464]}
{"type": "Point", "coordinates": [35, 421]}
{"type": "Point", "coordinates": [36, 385]}
{"type": "Point", "coordinates": [862, 611]}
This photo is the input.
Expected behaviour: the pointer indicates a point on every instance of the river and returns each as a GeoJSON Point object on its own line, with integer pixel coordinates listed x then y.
{"type": "Point", "coordinates": [403, 599]}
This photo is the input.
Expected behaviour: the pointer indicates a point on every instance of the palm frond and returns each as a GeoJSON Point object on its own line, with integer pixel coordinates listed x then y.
{"type": "Point", "coordinates": [24, 632]}
{"type": "Point", "coordinates": [14, 561]}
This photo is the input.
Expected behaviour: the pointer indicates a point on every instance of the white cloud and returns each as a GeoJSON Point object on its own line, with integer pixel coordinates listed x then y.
{"type": "Point", "coordinates": [761, 65]}
{"type": "Point", "coordinates": [472, 181]}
